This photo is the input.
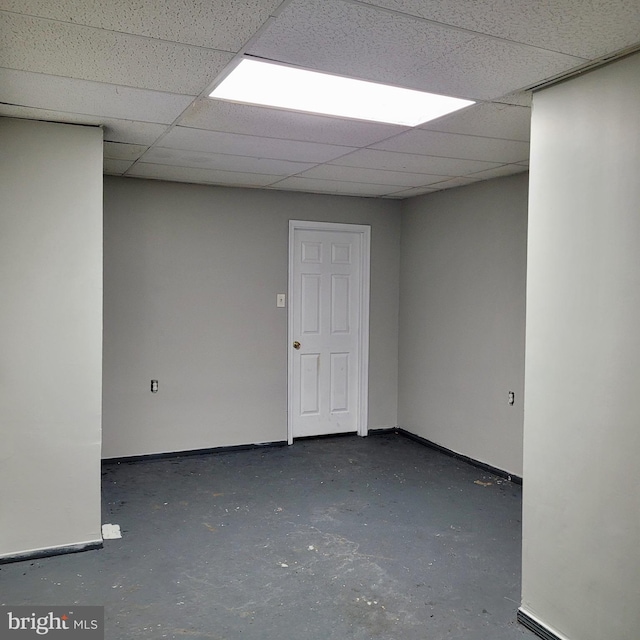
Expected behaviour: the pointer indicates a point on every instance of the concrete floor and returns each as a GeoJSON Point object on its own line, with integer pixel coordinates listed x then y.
{"type": "Point", "coordinates": [330, 539]}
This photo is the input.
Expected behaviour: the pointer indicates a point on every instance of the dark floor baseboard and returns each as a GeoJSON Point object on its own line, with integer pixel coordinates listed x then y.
{"type": "Point", "coordinates": [476, 463]}
{"type": "Point", "coordinates": [53, 551]}
{"type": "Point", "coordinates": [281, 443]}
{"type": "Point", "coordinates": [192, 452]}
{"type": "Point", "coordinates": [533, 625]}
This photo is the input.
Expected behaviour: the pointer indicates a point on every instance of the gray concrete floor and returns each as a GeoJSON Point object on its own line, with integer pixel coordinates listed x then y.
{"type": "Point", "coordinates": [341, 538]}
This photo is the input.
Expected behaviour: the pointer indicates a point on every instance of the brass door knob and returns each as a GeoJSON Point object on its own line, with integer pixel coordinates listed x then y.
{"type": "Point", "coordinates": [296, 345]}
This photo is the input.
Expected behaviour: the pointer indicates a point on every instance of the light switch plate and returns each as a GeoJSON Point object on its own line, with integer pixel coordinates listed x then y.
{"type": "Point", "coordinates": [280, 300]}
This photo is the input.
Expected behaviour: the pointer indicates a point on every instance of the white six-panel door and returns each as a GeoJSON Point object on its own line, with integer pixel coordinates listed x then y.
{"type": "Point", "coordinates": [328, 328]}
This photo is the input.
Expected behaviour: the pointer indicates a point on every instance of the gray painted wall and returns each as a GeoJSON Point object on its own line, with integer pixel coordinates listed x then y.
{"type": "Point", "coordinates": [191, 277]}
{"type": "Point", "coordinates": [581, 563]}
{"type": "Point", "coordinates": [462, 312]}
{"type": "Point", "coordinates": [50, 335]}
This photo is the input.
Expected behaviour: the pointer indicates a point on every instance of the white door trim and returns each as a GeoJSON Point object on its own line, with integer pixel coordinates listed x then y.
{"type": "Point", "coordinates": [363, 368]}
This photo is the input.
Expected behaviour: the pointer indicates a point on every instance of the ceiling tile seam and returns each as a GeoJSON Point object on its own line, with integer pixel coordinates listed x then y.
{"type": "Point", "coordinates": [183, 166]}
{"type": "Point", "coordinates": [472, 135]}
{"type": "Point", "coordinates": [262, 157]}
{"type": "Point", "coordinates": [498, 99]}
{"type": "Point", "coordinates": [299, 174]}
{"type": "Point", "coordinates": [212, 183]}
{"type": "Point", "coordinates": [400, 196]}
{"type": "Point", "coordinates": [251, 40]}
{"type": "Point", "coordinates": [411, 153]}
{"type": "Point", "coordinates": [334, 193]}
{"type": "Point", "coordinates": [423, 128]}
{"type": "Point", "coordinates": [140, 36]}
{"type": "Point", "coordinates": [432, 155]}
{"type": "Point", "coordinates": [396, 194]}
{"type": "Point", "coordinates": [366, 182]}
{"type": "Point", "coordinates": [330, 163]}
{"type": "Point", "coordinates": [372, 184]}
{"type": "Point", "coordinates": [451, 179]}
{"type": "Point", "coordinates": [266, 137]}
{"type": "Point", "coordinates": [344, 155]}
{"type": "Point", "coordinates": [109, 84]}
{"type": "Point", "coordinates": [424, 190]}
{"type": "Point", "coordinates": [351, 149]}
{"type": "Point", "coordinates": [109, 171]}
{"type": "Point", "coordinates": [126, 144]}
{"type": "Point", "coordinates": [239, 155]}
{"type": "Point", "coordinates": [106, 156]}
{"type": "Point", "coordinates": [391, 194]}
{"type": "Point", "coordinates": [428, 127]}
{"type": "Point", "coordinates": [453, 27]}
{"type": "Point", "coordinates": [280, 8]}
{"type": "Point", "coordinates": [502, 165]}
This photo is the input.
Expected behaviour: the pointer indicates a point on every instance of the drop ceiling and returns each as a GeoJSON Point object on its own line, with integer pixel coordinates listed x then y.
{"type": "Point", "coordinates": [142, 71]}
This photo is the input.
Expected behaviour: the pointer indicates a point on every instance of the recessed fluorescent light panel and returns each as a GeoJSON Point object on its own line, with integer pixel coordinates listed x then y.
{"type": "Point", "coordinates": [274, 85]}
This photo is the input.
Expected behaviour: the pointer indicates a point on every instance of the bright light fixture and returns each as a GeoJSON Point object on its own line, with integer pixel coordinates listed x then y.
{"type": "Point", "coordinates": [275, 85]}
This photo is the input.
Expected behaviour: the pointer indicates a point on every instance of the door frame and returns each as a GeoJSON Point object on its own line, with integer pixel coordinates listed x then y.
{"type": "Point", "coordinates": [364, 231]}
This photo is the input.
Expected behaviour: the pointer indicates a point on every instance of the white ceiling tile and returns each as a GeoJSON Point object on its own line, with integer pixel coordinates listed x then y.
{"type": "Point", "coordinates": [112, 167]}
{"type": "Point", "coordinates": [123, 151]}
{"type": "Point", "coordinates": [357, 40]}
{"type": "Point", "coordinates": [487, 119]}
{"type": "Point", "coordinates": [224, 162]}
{"type": "Point", "coordinates": [335, 187]}
{"type": "Point", "coordinates": [485, 68]}
{"type": "Point", "coordinates": [200, 176]}
{"type": "Point", "coordinates": [57, 48]}
{"type": "Point", "coordinates": [454, 145]}
{"type": "Point", "coordinates": [134, 68]}
{"type": "Point", "coordinates": [216, 25]}
{"type": "Point", "coordinates": [27, 89]}
{"type": "Point", "coordinates": [498, 172]}
{"type": "Point", "coordinates": [218, 115]}
{"type": "Point", "coordinates": [243, 145]}
{"type": "Point", "coordinates": [392, 161]}
{"type": "Point", "coordinates": [144, 133]}
{"type": "Point", "coordinates": [576, 27]}
{"type": "Point", "coordinates": [371, 176]}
